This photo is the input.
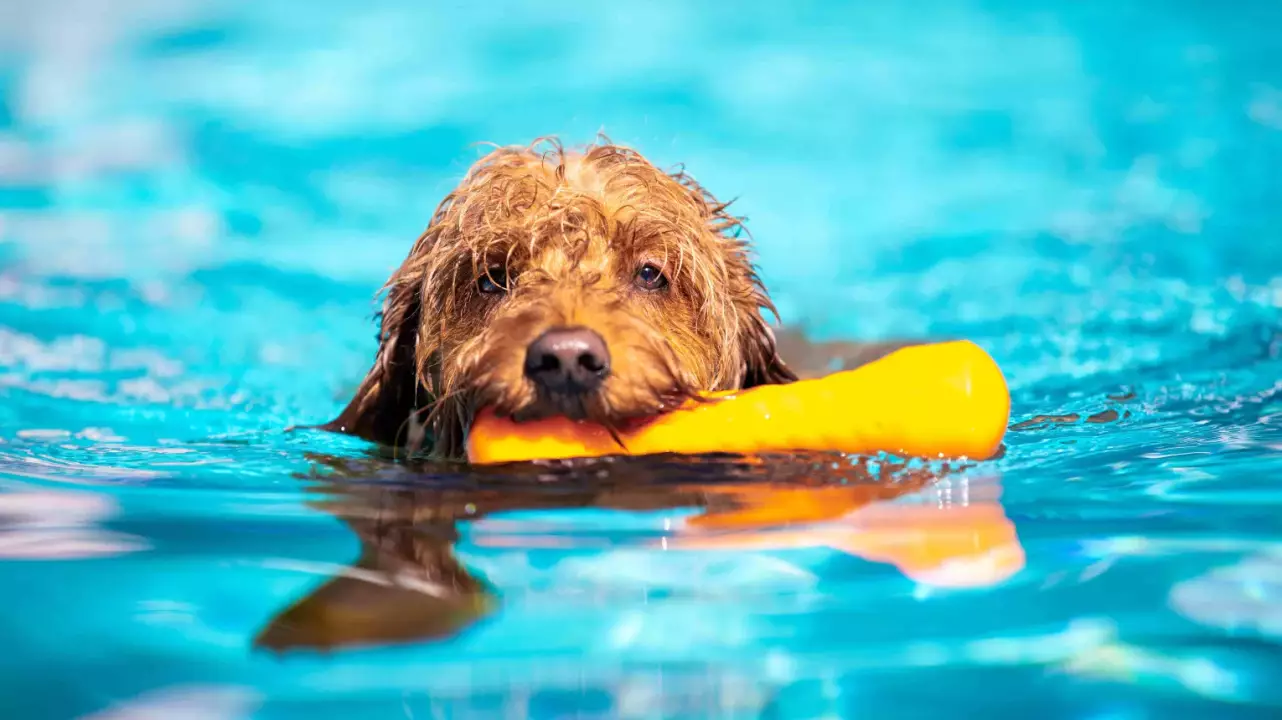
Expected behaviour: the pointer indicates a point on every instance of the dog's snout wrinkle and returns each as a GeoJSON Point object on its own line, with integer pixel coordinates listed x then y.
{"type": "Point", "coordinates": [570, 360]}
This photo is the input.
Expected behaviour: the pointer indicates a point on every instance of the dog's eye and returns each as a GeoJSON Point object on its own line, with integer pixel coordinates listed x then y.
{"type": "Point", "coordinates": [493, 282]}
{"type": "Point", "coordinates": [650, 277]}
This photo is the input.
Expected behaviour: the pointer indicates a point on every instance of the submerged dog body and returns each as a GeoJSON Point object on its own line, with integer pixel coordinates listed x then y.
{"type": "Point", "coordinates": [588, 284]}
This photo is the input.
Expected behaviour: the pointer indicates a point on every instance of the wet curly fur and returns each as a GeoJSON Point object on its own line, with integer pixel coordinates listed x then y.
{"type": "Point", "coordinates": [540, 237]}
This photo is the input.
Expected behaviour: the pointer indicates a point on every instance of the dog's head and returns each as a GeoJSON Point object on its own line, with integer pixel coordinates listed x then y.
{"type": "Point", "coordinates": [591, 285]}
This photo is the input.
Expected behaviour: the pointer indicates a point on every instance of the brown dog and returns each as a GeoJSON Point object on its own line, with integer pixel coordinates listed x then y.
{"type": "Point", "coordinates": [589, 284]}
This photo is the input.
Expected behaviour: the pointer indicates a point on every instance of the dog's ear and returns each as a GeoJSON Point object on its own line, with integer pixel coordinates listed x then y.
{"type": "Point", "coordinates": [380, 410]}
{"type": "Point", "coordinates": [762, 364]}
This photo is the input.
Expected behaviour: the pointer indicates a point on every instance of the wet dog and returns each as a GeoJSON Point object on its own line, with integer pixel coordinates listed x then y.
{"type": "Point", "coordinates": [589, 284]}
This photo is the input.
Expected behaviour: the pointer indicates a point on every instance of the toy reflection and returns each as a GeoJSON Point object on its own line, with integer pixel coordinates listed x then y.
{"type": "Point", "coordinates": [938, 526]}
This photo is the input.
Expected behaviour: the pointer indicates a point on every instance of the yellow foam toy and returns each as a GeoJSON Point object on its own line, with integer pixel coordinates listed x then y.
{"type": "Point", "coordinates": [946, 400]}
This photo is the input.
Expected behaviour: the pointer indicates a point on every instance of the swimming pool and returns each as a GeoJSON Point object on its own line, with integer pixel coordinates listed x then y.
{"type": "Point", "coordinates": [198, 201]}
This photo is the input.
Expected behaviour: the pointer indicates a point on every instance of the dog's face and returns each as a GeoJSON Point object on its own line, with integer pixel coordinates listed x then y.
{"type": "Point", "coordinates": [605, 325]}
{"type": "Point", "coordinates": [593, 286]}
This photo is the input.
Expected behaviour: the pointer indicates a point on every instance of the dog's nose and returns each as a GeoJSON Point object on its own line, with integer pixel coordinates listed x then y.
{"type": "Point", "coordinates": [568, 360]}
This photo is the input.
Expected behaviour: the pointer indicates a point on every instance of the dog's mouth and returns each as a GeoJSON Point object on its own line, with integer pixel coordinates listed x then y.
{"type": "Point", "coordinates": [574, 406]}
{"type": "Point", "coordinates": [618, 401]}
{"type": "Point", "coordinates": [596, 407]}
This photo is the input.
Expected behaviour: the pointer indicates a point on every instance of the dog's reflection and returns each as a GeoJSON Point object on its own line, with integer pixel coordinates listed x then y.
{"type": "Point", "coordinates": [938, 525]}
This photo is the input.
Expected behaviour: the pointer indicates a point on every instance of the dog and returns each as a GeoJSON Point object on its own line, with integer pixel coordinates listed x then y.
{"type": "Point", "coordinates": [589, 284]}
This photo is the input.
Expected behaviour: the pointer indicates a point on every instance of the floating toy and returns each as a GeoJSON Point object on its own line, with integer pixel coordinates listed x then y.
{"type": "Point", "coordinates": [943, 400]}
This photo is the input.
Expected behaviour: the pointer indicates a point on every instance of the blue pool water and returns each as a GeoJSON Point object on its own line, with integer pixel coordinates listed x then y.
{"type": "Point", "coordinates": [198, 201]}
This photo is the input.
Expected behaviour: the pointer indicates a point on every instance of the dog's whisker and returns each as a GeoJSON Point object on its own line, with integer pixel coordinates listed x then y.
{"type": "Point", "coordinates": [614, 435]}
